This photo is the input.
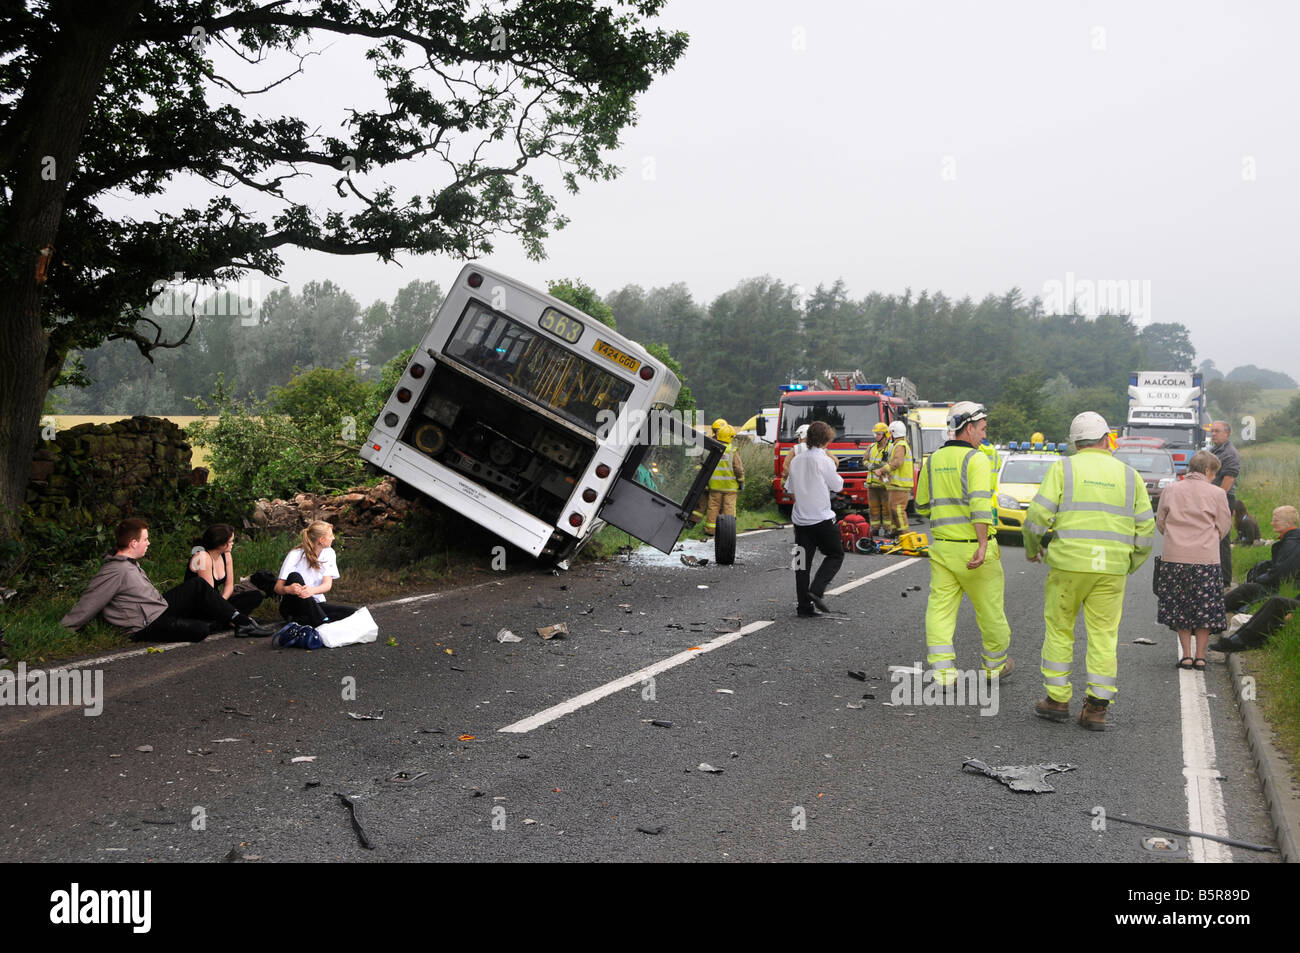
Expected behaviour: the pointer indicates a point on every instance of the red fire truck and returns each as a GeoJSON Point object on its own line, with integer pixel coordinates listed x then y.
{"type": "Point", "coordinates": [852, 406]}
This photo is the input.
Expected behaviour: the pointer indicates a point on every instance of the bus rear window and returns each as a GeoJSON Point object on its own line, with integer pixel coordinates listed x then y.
{"type": "Point", "coordinates": [537, 368]}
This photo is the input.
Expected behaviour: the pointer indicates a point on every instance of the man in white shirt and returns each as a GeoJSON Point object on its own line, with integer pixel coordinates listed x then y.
{"type": "Point", "coordinates": [811, 479]}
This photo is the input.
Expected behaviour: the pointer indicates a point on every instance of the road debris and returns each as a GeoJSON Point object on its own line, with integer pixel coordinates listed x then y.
{"type": "Point", "coordinates": [693, 561]}
{"type": "Point", "coordinates": [430, 731]}
{"type": "Point", "coordinates": [224, 741]}
{"type": "Point", "coordinates": [1267, 848]}
{"type": "Point", "coordinates": [373, 716]}
{"type": "Point", "coordinates": [852, 705]}
{"type": "Point", "coordinates": [405, 777]}
{"type": "Point", "coordinates": [145, 749]}
{"type": "Point", "coordinates": [303, 759]}
{"type": "Point", "coordinates": [235, 711]}
{"type": "Point", "coordinates": [150, 820]}
{"type": "Point", "coordinates": [466, 737]}
{"type": "Point", "coordinates": [558, 630]}
{"type": "Point", "coordinates": [859, 675]}
{"type": "Point", "coordinates": [529, 821]}
{"type": "Point", "coordinates": [659, 724]}
{"type": "Point", "coordinates": [356, 823]}
{"type": "Point", "coordinates": [708, 768]}
{"type": "Point", "coordinates": [311, 784]}
{"type": "Point", "coordinates": [701, 587]}
{"type": "Point", "coordinates": [651, 830]}
{"type": "Point", "coordinates": [1144, 641]}
{"type": "Point", "coordinates": [724, 691]}
{"type": "Point", "coordinates": [505, 635]}
{"type": "Point", "coordinates": [1028, 778]}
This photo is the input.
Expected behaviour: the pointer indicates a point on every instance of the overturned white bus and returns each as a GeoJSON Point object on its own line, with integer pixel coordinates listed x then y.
{"type": "Point", "coordinates": [540, 423]}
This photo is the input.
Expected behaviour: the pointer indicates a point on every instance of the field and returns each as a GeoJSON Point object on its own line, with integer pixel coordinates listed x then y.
{"type": "Point", "coordinates": [1270, 477]}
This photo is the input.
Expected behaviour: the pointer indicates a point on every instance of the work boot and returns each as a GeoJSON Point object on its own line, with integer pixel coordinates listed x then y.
{"type": "Point", "coordinates": [1052, 710]}
{"type": "Point", "coordinates": [1005, 674]}
{"type": "Point", "coordinates": [1093, 715]}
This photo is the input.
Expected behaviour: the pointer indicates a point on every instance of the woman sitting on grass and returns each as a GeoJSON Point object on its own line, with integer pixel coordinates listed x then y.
{"type": "Point", "coordinates": [212, 562]}
{"type": "Point", "coordinates": [308, 573]}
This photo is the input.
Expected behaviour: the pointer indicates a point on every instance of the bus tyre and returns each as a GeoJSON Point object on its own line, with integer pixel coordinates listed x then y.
{"type": "Point", "coordinates": [724, 541]}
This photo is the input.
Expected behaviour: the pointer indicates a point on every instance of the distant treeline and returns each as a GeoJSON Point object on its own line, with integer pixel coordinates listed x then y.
{"type": "Point", "coordinates": [1034, 369]}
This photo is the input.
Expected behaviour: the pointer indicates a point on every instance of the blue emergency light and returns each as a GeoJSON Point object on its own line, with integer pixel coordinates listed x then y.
{"type": "Point", "coordinates": [1051, 448]}
{"type": "Point", "coordinates": [789, 387]}
{"type": "Point", "coordinates": [1012, 445]}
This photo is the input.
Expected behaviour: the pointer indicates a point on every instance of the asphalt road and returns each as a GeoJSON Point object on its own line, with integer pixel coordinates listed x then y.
{"type": "Point", "coordinates": [810, 768]}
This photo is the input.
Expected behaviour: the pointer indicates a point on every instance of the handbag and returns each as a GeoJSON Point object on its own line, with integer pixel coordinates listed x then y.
{"type": "Point", "coordinates": [1156, 565]}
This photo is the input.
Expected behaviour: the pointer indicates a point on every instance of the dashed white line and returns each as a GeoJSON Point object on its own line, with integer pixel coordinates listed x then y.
{"type": "Point", "coordinates": [875, 575]}
{"type": "Point", "coordinates": [627, 681]}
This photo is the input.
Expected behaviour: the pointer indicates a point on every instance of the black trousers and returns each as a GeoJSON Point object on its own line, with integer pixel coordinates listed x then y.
{"type": "Point", "coordinates": [1266, 621]}
{"type": "Point", "coordinates": [194, 610]}
{"type": "Point", "coordinates": [824, 538]}
{"type": "Point", "coordinates": [1225, 550]}
{"type": "Point", "coordinates": [1243, 595]}
{"type": "Point", "coordinates": [308, 611]}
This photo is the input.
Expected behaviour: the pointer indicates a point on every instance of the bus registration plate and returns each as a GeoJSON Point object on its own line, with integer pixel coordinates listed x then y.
{"type": "Point", "coordinates": [617, 356]}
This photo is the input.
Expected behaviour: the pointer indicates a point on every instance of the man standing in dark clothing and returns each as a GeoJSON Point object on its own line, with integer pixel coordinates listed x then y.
{"type": "Point", "coordinates": [1229, 470]}
{"type": "Point", "coordinates": [812, 478]}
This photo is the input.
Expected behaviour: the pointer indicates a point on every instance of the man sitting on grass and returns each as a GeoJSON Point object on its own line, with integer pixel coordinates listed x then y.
{"type": "Point", "coordinates": [123, 594]}
{"type": "Point", "coordinates": [1263, 580]}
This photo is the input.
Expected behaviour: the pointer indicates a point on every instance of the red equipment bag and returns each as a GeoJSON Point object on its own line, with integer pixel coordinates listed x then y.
{"type": "Point", "coordinates": [852, 528]}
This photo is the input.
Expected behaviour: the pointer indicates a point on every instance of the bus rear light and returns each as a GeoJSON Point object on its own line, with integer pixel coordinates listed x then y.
{"type": "Point", "coordinates": [403, 395]}
{"type": "Point", "coordinates": [474, 279]}
{"type": "Point", "coordinates": [391, 419]}
{"type": "Point", "coordinates": [376, 446]}
{"type": "Point", "coordinates": [602, 470]}
{"type": "Point", "coordinates": [575, 519]}
{"type": "Point", "coordinates": [417, 371]}
{"type": "Point", "coordinates": [589, 495]}
{"type": "Point", "coordinates": [647, 372]}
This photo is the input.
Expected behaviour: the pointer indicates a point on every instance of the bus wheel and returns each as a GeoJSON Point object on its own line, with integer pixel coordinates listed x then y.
{"type": "Point", "coordinates": [724, 541]}
{"type": "Point", "coordinates": [785, 509]}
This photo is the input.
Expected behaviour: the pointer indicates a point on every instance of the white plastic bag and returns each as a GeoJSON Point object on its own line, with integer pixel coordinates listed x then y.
{"type": "Point", "coordinates": [358, 627]}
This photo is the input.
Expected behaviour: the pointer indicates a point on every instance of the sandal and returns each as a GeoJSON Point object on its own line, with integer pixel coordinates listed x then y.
{"type": "Point", "coordinates": [1187, 662]}
{"type": "Point", "coordinates": [1199, 665]}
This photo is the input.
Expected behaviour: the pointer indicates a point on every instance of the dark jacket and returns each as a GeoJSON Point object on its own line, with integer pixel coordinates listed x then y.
{"type": "Point", "coordinates": [1284, 565]}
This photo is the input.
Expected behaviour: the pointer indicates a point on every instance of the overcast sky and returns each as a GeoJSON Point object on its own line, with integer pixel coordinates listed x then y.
{"type": "Point", "coordinates": [966, 147]}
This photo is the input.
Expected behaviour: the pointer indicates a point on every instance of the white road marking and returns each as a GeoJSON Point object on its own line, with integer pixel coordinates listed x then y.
{"type": "Point", "coordinates": [875, 575]}
{"type": "Point", "coordinates": [1205, 810]}
{"type": "Point", "coordinates": [627, 681]}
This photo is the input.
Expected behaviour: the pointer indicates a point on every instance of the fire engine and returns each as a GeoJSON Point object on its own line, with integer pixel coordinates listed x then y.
{"type": "Point", "coordinates": [852, 406]}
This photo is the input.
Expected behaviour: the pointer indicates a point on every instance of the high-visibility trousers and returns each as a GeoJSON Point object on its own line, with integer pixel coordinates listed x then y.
{"type": "Point", "coordinates": [1102, 598]}
{"type": "Point", "coordinates": [878, 505]}
{"type": "Point", "coordinates": [898, 508]}
{"type": "Point", "coordinates": [949, 578]}
{"type": "Point", "coordinates": [719, 500]}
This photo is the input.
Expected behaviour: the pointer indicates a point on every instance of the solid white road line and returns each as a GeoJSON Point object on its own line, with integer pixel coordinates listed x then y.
{"type": "Point", "coordinates": [875, 575]}
{"type": "Point", "coordinates": [1205, 810]}
{"type": "Point", "coordinates": [627, 681]}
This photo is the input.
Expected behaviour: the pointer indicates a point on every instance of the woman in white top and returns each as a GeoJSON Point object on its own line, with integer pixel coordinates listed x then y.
{"type": "Point", "coordinates": [307, 574]}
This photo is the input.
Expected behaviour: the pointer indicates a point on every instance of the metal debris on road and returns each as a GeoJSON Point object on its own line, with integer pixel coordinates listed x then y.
{"type": "Point", "coordinates": [660, 724]}
{"type": "Point", "coordinates": [1266, 848]}
{"type": "Point", "coordinates": [1028, 778]}
{"type": "Point", "coordinates": [223, 741]}
{"type": "Point", "coordinates": [235, 711]}
{"type": "Point", "coordinates": [859, 675]}
{"type": "Point", "coordinates": [694, 561]}
{"type": "Point", "coordinates": [505, 635]}
{"type": "Point", "coordinates": [529, 821]}
{"type": "Point", "coordinates": [311, 784]}
{"type": "Point", "coordinates": [560, 630]}
{"type": "Point", "coordinates": [1144, 641]}
{"type": "Point", "coordinates": [701, 587]}
{"type": "Point", "coordinates": [356, 823]}
{"type": "Point", "coordinates": [145, 748]}
{"type": "Point", "coordinates": [303, 759]}
{"type": "Point", "coordinates": [149, 820]}
{"type": "Point", "coordinates": [373, 716]}
{"type": "Point", "coordinates": [431, 731]}
{"type": "Point", "coordinates": [708, 768]}
{"type": "Point", "coordinates": [724, 691]}
{"type": "Point", "coordinates": [405, 777]}
{"type": "Point", "coordinates": [852, 705]}
{"type": "Point", "coordinates": [651, 830]}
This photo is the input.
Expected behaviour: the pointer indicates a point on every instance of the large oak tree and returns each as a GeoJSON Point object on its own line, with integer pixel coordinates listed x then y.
{"type": "Point", "coordinates": [128, 98]}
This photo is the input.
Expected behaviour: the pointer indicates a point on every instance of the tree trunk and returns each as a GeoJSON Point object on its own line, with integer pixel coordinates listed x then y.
{"type": "Point", "coordinates": [47, 126]}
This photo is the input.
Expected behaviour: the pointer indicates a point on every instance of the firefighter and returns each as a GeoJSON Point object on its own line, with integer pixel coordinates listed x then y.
{"type": "Point", "coordinates": [728, 478]}
{"type": "Point", "coordinates": [995, 467]}
{"type": "Point", "coordinates": [877, 490]}
{"type": "Point", "coordinates": [1099, 512]}
{"type": "Point", "coordinates": [899, 475]}
{"type": "Point", "coordinates": [1037, 440]}
{"type": "Point", "coordinates": [954, 493]}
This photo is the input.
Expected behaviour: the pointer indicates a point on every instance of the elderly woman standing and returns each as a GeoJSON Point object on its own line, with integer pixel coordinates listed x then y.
{"type": "Point", "coordinates": [1193, 517]}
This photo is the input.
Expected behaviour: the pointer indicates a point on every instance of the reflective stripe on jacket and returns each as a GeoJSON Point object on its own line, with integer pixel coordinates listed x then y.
{"type": "Point", "coordinates": [954, 492]}
{"type": "Point", "coordinates": [1098, 509]}
{"type": "Point", "coordinates": [900, 477]}
{"type": "Point", "coordinates": [878, 456]}
{"type": "Point", "coordinates": [724, 477]}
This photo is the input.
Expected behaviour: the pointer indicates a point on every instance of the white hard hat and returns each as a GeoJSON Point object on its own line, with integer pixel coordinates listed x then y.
{"type": "Point", "coordinates": [965, 412]}
{"type": "Point", "coordinates": [898, 429]}
{"type": "Point", "coordinates": [801, 432]}
{"type": "Point", "coordinates": [1088, 426]}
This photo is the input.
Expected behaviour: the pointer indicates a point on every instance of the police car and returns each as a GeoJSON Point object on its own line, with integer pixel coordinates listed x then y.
{"type": "Point", "coordinates": [1018, 482]}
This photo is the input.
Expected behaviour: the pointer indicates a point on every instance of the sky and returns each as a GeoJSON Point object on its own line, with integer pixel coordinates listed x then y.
{"type": "Point", "coordinates": [1140, 154]}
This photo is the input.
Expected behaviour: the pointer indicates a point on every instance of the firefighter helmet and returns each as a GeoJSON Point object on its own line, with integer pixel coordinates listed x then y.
{"type": "Point", "coordinates": [880, 428]}
{"type": "Point", "coordinates": [723, 430]}
{"type": "Point", "coordinates": [898, 429]}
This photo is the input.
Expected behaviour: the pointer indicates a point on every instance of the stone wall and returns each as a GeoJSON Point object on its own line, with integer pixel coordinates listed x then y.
{"type": "Point", "coordinates": [360, 511]}
{"type": "Point", "coordinates": [99, 474]}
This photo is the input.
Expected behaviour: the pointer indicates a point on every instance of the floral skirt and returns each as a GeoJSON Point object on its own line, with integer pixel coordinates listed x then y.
{"type": "Point", "coordinates": [1191, 596]}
